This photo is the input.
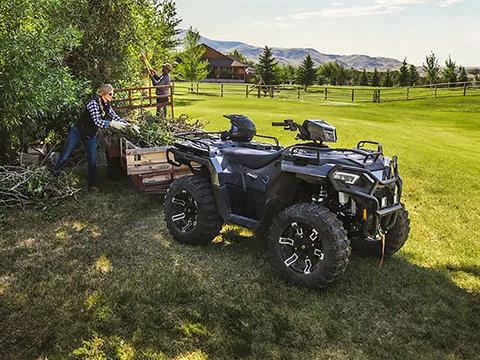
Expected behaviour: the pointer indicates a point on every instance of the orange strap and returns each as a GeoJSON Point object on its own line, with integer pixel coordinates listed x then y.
{"type": "Point", "coordinates": [382, 256]}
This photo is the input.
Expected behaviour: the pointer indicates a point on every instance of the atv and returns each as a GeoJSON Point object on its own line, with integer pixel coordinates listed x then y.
{"type": "Point", "coordinates": [311, 202]}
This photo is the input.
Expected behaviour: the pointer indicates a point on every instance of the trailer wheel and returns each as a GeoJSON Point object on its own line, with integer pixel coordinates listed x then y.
{"type": "Point", "coordinates": [190, 211]}
{"type": "Point", "coordinates": [308, 245]}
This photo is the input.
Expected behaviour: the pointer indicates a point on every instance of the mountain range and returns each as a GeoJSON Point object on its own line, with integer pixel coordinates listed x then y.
{"type": "Point", "coordinates": [295, 56]}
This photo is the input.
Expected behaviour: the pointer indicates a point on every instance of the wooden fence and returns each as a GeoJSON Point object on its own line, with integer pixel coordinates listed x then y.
{"type": "Point", "coordinates": [143, 97]}
{"type": "Point", "coordinates": [330, 93]}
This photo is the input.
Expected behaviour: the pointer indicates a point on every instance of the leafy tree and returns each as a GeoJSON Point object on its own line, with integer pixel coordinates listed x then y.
{"type": "Point", "coordinates": [404, 75]}
{"type": "Point", "coordinates": [287, 74]}
{"type": "Point", "coordinates": [387, 79]}
{"type": "Point", "coordinates": [267, 66]}
{"type": "Point", "coordinates": [192, 67]}
{"type": "Point", "coordinates": [450, 71]}
{"type": "Point", "coordinates": [328, 71]}
{"type": "Point", "coordinates": [375, 78]}
{"type": "Point", "coordinates": [306, 72]}
{"type": "Point", "coordinates": [432, 68]}
{"type": "Point", "coordinates": [414, 77]}
{"type": "Point", "coordinates": [462, 77]}
{"type": "Point", "coordinates": [35, 83]}
{"type": "Point", "coordinates": [237, 55]}
{"type": "Point", "coordinates": [364, 78]}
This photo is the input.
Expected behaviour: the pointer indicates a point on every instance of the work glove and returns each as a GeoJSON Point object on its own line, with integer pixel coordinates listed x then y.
{"type": "Point", "coordinates": [118, 125]}
{"type": "Point", "coordinates": [136, 128]}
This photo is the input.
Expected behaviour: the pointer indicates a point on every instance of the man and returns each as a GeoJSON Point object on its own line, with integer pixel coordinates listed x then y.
{"type": "Point", "coordinates": [97, 113]}
{"type": "Point", "coordinates": [162, 91]}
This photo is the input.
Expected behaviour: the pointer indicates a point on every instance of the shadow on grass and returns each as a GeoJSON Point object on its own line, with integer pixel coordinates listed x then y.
{"type": "Point", "coordinates": [104, 276]}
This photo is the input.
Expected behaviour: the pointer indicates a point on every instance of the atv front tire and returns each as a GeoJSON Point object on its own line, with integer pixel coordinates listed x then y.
{"type": "Point", "coordinates": [395, 238]}
{"type": "Point", "coordinates": [308, 245]}
{"type": "Point", "coordinates": [190, 211]}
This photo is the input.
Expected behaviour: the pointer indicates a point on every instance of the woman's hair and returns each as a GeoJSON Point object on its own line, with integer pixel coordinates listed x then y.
{"type": "Point", "coordinates": [104, 89]}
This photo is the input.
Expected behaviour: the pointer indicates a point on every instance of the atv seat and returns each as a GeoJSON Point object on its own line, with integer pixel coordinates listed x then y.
{"type": "Point", "coordinates": [251, 158]}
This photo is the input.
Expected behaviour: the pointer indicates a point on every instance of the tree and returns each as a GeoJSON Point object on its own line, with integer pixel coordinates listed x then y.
{"type": "Point", "coordinates": [237, 55]}
{"type": "Point", "coordinates": [414, 77]}
{"type": "Point", "coordinates": [306, 72]}
{"type": "Point", "coordinates": [462, 77]}
{"type": "Point", "coordinates": [387, 79]}
{"type": "Point", "coordinates": [375, 78]}
{"type": "Point", "coordinates": [432, 68]}
{"type": "Point", "coordinates": [364, 78]}
{"type": "Point", "coordinates": [267, 66]}
{"type": "Point", "coordinates": [450, 71]}
{"type": "Point", "coordinates": [404, 75]}
{"type": "Point", "coordinates": [192, 67]}
{"type": "Point", "coordinates": [35, 83]}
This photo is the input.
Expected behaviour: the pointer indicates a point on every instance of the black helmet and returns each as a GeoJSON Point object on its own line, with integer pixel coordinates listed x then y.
{"type": "Point", "coordinates": [242, 129]}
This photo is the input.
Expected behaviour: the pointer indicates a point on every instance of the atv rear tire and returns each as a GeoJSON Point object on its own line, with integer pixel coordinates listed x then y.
{"type": "Point", "coordinates": [395, 238]}
{"type": "Point", "coordinates": [308, 245]}
{"type": "Point", "coordinates": [190, 211]}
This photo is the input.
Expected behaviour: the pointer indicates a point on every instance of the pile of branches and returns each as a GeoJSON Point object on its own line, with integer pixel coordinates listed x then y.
{"type": "Point", "coordinates": [155, 131]}
{"type": "Point", "coordinates": [22, 186]}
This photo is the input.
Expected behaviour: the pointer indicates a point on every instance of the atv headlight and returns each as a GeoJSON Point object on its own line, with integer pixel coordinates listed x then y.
{"type": "Point", "coordinates": [346, 177]}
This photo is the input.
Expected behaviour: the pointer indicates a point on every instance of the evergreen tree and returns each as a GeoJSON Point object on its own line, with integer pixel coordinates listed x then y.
{"type": "Point", "coordinates": [267, 66]}
{"type": "Point", "coordinates": [375, 78]}
{"type": "Point", "coordinates": [306, 72]}
{"type": "Point", "coordinates": [387, 79]}
{"type": "Point", "coordinates": [414, 77]}
{"type": "Point", "coordinates": [364, 78]}
{"type": "Point", "coordinates": [404, 76]}
{"type": "Point", "coordinates": [432, 68]}
{"type": "Point", "coordinates": [192, 67]}
{"type": "Point", "coordinates": [450, 71]}
{"type": "Point", "coordinates": [462, 77]}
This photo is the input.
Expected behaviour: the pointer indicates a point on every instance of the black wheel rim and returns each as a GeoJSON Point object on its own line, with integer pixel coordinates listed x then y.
{"type": "Point", "coordinates": [301, 248]}
{"type": "Point", "coordinates": [184, 211]}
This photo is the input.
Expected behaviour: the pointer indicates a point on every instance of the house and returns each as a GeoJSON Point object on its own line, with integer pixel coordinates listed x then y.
{"type": "Point", "coordinates": [223, 68]}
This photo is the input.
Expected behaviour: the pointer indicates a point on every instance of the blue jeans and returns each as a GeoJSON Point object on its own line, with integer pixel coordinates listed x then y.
{"type": "Point", "coordinates": [90, 144]}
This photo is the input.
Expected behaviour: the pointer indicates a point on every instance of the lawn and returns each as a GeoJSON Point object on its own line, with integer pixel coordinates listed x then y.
{"type": "Point", "coordinates": [100, 277]}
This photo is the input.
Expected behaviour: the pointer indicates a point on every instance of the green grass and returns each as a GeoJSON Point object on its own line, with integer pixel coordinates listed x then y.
{"type": "Point", "coordinates": [101, 275]}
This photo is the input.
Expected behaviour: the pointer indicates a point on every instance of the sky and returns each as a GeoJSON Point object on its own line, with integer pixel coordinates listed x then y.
{"type": "Point", "coordinates": [389, 28]}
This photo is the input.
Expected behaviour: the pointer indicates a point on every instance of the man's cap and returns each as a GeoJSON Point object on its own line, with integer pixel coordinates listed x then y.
{"type": "Point", "coordinates": [168, 66]}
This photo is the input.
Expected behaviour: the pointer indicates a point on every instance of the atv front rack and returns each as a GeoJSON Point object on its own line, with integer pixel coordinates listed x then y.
{"type": "Point", "coordinates": [309, 154]}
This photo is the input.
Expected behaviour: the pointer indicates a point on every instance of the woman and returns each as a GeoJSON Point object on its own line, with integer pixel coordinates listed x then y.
{"type": "Point", "coordinates": [97, 113]}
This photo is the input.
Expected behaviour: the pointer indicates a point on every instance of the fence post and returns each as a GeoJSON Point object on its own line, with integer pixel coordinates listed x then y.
{"type": "Point", "coordinates": [197, 88]}
{"type": "Point", "coordinates": [464, 89]}
{"type": "Point", "coordinates": [353, 95]}
{"type": "Point", "coordinates": [435, 90]}
{"type": "Point", "coordinates": [379, 96]}
{"type": "Point", "coordinates": [408, 92]}
{"type": "Point", "coordinates": [246, 91]}
{"type": "Point", "coordinates": [173, 87]}
{"type": "Point", "coordinates": [271, 91]}
{"type": "Point", "coordinates": [221, 91]}
{"type": "Point", "coordinates": [259, 89]}
{"type": "Point", "coordinates": [326, 92]}
{"type": "Point", "coordinates": [298, 93]}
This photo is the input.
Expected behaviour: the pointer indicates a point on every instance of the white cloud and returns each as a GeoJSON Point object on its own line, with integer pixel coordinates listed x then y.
{"type": "Point", "coordinates": [441, 3]}
{"type": "Point", "coordinates": [355, 11]}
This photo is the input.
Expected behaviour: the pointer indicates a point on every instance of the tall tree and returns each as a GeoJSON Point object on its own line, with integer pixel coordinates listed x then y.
{"type": "Point", "coordinates": [450, 70]}
{"type": "Point", "coordinates": [462, 76]}
{"type": "Point", "coordinates": [306, 72]}
{"type": "Point", "coordinates": [192, 66]}
{"type": "Point", "coordinates": [375, 78]}
{"type": "Point", "coordinates": [329, 71]}
{"type": "Point", "coordinates": [267, 66]}
{"type": "Point", "coordinates": [404, 75]}
{"type": "Point", "coordinates": [364, 78]}
{"type": "Point", "coordinates": [432, 68]}
{"type": "Point", "coordinates": [414, 77]}
{"type": "Point", "coordinates": [287, 74]}
{"type": "Point", "coordinates": [387, 79]}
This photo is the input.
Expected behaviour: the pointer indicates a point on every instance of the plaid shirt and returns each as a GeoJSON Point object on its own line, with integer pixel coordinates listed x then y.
{"type": "Point", "coordinates": [94, 109]}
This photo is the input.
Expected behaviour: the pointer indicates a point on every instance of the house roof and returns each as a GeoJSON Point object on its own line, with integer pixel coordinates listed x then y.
{"type": "Point", "coordinates": [223, 60]}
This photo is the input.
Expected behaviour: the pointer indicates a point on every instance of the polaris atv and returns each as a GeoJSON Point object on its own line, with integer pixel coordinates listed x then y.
{"type": "Point", "coordinates": [309, 200]}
